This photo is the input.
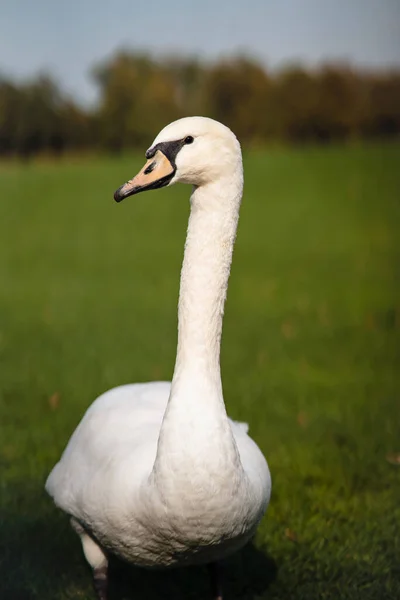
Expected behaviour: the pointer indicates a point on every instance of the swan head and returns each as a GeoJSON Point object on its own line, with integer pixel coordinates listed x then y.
{"type": "Point", "coordinates": [194, 150]}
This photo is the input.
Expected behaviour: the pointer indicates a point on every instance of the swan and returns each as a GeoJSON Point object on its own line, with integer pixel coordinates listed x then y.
{"type": "Point", "coordinates": [156, 473]}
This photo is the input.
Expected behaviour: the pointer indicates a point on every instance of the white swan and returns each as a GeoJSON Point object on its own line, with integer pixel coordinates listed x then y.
{"type": "Point", "coordinates": [156, 473]}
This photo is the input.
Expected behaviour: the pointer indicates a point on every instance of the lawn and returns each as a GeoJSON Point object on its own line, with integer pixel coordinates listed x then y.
{"type": "Point", "coordinates": [310, 359]}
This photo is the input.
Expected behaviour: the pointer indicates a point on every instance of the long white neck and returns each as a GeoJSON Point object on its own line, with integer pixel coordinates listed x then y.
{"type": "Point", "coordinates": [196, 431]}
{"type": "Point", "coordinates": [204, 280]}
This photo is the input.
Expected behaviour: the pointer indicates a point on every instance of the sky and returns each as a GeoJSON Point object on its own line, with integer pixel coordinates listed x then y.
{"type": "Point", "coordinates": [68, 37]}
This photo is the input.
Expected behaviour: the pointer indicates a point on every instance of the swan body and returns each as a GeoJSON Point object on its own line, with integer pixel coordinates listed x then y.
{"type": "Point", "coordinates": [197, 521]}
{"type": "Point", "coordinates": [156, 473]}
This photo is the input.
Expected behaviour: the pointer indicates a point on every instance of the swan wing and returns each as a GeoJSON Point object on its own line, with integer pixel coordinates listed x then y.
{"type": "Point", "coordinates": [118, 433]}
{"type": "Point", "coordinates": [114, 447]}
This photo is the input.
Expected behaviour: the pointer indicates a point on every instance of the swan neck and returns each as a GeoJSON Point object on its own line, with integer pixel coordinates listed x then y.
{"type": "Point", "coordinates": [204, 279]}
{"type": "Point", "coordinates": [195, 428]}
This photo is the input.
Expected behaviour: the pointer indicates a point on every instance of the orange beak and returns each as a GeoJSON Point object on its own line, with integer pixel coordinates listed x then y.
{"type": "Point", "coordinates": [156, 173]}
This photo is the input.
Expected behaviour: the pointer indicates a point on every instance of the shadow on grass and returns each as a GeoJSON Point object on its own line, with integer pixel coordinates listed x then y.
{"type": "Point", "coordinates": [41, 557]}
{"type": "Point", "coordinates": [246, 575]}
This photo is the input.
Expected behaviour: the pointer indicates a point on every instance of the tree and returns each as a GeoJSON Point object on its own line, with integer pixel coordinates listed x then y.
{"type": "Point", "coordinates": [137, 97]}
{"type": "Point", "coordinates": [294, 105]}
{"type": "Point", "coordinates": [237, 92]}
{"type": "Point", "coordinates": [140, 94]}
{"type": "Point", "coordinates": [383, 114]}
{"type": "Point", "coordinates": [341, 106]}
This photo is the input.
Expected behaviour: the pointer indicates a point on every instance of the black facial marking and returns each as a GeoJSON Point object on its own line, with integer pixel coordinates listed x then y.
{"type": "Point", "coordinates": [170, 149]}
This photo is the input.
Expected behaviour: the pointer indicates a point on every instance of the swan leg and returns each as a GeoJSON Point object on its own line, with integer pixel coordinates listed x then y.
{"type": "Point", "coordinates": [96, 559]}
{"type": "Point", "coordinates": [216, 580]}
{"type": "Point", "coordinates": [100, 580]}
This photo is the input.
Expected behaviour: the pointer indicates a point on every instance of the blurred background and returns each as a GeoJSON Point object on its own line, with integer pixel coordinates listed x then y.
{"type": "Point", "coordinates": [82, 76]}
{"type": "Point", "coordinates": [88, 288]}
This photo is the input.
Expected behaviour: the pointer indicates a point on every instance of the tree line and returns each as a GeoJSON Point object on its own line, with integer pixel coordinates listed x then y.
{"type": "Point", "coordinates": [139, 94]}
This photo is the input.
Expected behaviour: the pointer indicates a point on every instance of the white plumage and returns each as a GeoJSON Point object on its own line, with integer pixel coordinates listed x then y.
{"type": "Point", "coordinates": [156, 472]}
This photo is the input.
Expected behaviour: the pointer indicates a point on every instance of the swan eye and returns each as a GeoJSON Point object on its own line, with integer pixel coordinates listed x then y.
{"type": "Point", "coordinates": [189, 139]}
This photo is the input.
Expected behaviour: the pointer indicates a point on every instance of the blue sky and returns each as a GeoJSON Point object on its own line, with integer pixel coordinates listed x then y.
{"type": "Point", "coordinates": [68, 37]}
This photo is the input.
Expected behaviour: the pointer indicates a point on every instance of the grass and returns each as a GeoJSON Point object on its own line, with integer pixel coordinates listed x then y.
{"type": "Point", "coordinates": [311, 340]}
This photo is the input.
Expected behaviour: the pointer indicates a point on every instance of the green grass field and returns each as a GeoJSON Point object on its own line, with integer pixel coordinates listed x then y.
{"type": "Point", "coordinates": [88, 300]}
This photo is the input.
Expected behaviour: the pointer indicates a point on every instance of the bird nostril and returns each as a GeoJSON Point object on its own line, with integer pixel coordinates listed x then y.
{"type": "Point", "coordinates": [150, 168]}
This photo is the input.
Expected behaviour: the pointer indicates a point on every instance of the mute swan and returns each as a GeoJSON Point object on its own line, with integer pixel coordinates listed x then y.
{"type": "Point", "coordinates": [156, 473]}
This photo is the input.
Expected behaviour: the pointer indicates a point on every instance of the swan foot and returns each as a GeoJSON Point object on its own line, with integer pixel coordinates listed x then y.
{"type": "Point", "coordinates": [216, 580]}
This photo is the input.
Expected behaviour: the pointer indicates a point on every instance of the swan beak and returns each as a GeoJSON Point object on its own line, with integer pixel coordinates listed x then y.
{"type": "Point", "coordinates": [156, 173]}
